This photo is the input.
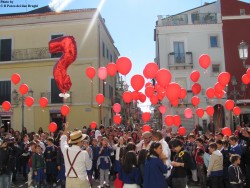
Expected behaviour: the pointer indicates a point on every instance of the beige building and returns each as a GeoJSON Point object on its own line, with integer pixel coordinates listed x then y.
{"type": "Point", "coordinates": [24, 39]}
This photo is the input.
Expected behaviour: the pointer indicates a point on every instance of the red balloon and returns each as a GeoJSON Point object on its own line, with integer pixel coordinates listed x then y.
{"type": "Point", "coordinates": [29, 101]}
{"type": "Point", "coordinates": [226, 131]}
{"type": "Point", "coordinates": [149, 91]}
{"type": "Point", "coordinates": [93, 125]}
{"type": "Point", "coordinates": [146, 128]}
{"type": "Point", "coordinates": [224, 78]}
{"type": "Point", "coordinates": [43, 102]}
{"type": "Point", "coordinates": [154, 99]}
{"type": "Point", "coordinates": [123, 65]}
{"type": "Point", "coordinates": [245, 79]}
{"type": "Point", "coordinates": [162, 109]}
{"type": "Point", "coordinates": [188, 113]}
{"type": "Point", "coordinates": [219, 95]}
{"type": "Point", "coordinates": [200, 112]}
{"type": "Point", "coordinates": [163, 77]}
{"type": "Point", "coordinates": [229, 104]}
{"type": "Point", "coordinates": [102, 73]}
{"type": "Point", "coordinates": [182, 131]}
{"type": "Point", "coordinates": [145, 116]}
{"type": "Point", "coordinates": [117, 108]}
{"type": "Point", "coordinates": [218, 87]}
{"type": "Point", "coordinates": [177, 120]}
{"type": "Point", "coordinates": [142, 97]}
{"type": "Point", "coordinates": [148, 84]}
{"type": "Point", "coordinates": [210, 92]}
{"type": "Point", "coordinates": [173, 91]}
{"type": "Point", "coordinates": [137, 82]}
{"type": "Point", "coordinates": [127, 96]}
{"type": "Point", "coordinates": [169, 120]}
{"type": "Point", "coordinates": [99, 98]}
{"type": "Point", "coordinates": [117, 119]}
{"type": "Point", "coordinates": [90, 72]}
{"type": "Point", "coordinates": [111, 69]}
{"type": "Point", "coordinates": [150, 70]}
{"type": "Point", "coordinates": [248, 72]}
{"type": "Point", "coordinates": [6, 105]}
{"type": "Point", "coordinates": [160, 96]}
{"type": "Point", "coordinates": [204, 61]}
{"type": "Point", "coordinates": [135, 95]}
{"type": "Point", "coordinates": [68, 47]}
{"type": "Point", "coordinates": [195, 75]}
{"type": "Point", "coordinates": [195, 100]}
{"type": "Point", "coordinates": [23, 89]}
{"type": "Point", "coordinates": [236, 110]}
{"type": "Point", "coordinates": [65, 110]}
{"type": "Point", "coordinates": [210, 110]}
{"type": "Point", "coordinates": [196, 88]}
{"type": "Point", "coordinates": [174, 102]}
{"type": "Point", "coordinates": [52, 127]}
{"type": "Point", "coordinates": [15, 78]}
{"type": "Point", "coordinates": [183, 93]}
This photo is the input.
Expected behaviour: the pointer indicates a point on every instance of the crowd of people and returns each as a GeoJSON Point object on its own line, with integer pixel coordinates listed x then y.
{"type": "Point", "coordinates": [131, 158]}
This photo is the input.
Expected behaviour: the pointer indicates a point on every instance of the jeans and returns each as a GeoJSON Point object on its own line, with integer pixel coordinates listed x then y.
{"type": "Point", "coordinates": [179, 182]}
{"type": "Point", "coordinates": [104, 176]}
{"type": "Point", "coordinates": [216, 181]}
{"type": "Point", "coordinates": [5, 180]}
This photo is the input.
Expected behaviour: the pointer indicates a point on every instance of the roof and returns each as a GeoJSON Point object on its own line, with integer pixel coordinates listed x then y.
{"type": "Point", "coordinates": [41, 11]}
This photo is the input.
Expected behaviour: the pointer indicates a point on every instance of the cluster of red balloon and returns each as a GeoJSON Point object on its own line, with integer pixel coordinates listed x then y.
{"type": "Point", "coordinates": [173, 120]}
{"type": "Point", "coordinates": [246, 77]}
{"type": "Point", "coordinates": [117, 117]}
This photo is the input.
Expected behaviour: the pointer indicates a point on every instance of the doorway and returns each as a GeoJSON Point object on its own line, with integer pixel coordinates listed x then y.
{"type": "Point", "coordinates": [6, 123]}
{"type": "Point", "coordinates": [59, 119]}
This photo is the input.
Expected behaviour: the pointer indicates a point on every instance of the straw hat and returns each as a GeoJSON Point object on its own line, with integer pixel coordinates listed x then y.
{"type": "Point", "coordinates": [76, 137]}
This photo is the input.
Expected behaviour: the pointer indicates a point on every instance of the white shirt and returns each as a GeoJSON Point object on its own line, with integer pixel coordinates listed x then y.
{"type": "Point", "coordinates": [82, 163]}
{"type": "Point", "coordinates": [141, 145]}
{"type": "Point", "coordinates": [166, 150]}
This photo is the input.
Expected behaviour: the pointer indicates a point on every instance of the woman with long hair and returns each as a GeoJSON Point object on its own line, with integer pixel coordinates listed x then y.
{"type": "Point", "coordinates": [130, 174]}
{"type": "Point", "coordinates": [155, 167]}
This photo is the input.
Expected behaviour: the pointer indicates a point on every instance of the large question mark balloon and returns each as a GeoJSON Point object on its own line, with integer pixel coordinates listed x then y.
{"type": "Point", "coordinates": [67, 46]}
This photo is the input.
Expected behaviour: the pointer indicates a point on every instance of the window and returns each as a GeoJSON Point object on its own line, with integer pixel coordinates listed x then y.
{"type": "Point", "coordinates": [215, 69]}
{"type": "Point", "coordinates": [111, 58]}
{"type": "Point", "coordinates": [242, 12]}
{"type": "Point", "coordinates": [182, 81]}
{"type": "Point", "coordinates": [179, 52]}
{"type": "Point", "coordinates": [103, 49]}
{"type": "Point", "coordinates": [5, 91]}
{"type": "Point", "coordinates": [213, 41]}
{"type": "Point", "coordinates": [55, 93]}
{"type": "Point", "coordinates": [5, 50]}
{"type": "Point", "coordinates": [107, 53]}
{"type": "Point", "coordinates": [59, 54]}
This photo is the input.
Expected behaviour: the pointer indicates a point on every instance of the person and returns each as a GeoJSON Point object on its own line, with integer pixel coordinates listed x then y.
{"type": "Point", "coordinates": [77, 161]}
{"type": "Point", "coordinates": [95, 151]}
{"type": "Point", "coordinates": [142, 156]}
{"type": "Point", "coordinates": [104, 162]}
{"type": "Point", "coordinates": [145, 142]}
{"type": "Point", "coordinates": [7, 165]}
{"type": "Point", "coordinates": [130, 174]}
{"type": "Point", "coordinates": [30, 174]}
{"type": "Point", "coordinates": [236, 177]}
{"type": "Point", "coordinates": [235, 147]}
{"type": "Point", "coordinates": [182, 162]}
{"type": "Point", "coordinates": [61, 168]}
{"type": "Point", "coordinates": [155, 168]}
{"type": "Point", "coordinates": [199, 153]}
{"type": "Point", "coordinates": [39, 167]}
{"type": "Point", "coordinates": [215, 167]}
{"type": "Point", "coordinates": [25, 155]}
{"type": "Point", "coordinates": [50, 158]}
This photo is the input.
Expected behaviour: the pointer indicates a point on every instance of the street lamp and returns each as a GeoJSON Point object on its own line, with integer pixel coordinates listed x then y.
{"type": "Point", "coordinates": [17, 98]}
{"type": "Point", "coordinates": [243, 53]}
{"type": "Point", "coordinates": [235, 93]}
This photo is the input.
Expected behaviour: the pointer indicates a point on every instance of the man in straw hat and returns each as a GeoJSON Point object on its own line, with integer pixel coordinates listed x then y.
{"type": "Point", "coordinates": [77, 161]}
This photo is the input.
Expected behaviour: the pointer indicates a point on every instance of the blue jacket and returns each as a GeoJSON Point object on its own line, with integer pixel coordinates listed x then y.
{"type": "Point", "coordinates": [134, 177]}
{"type": "Point", "coordinates": [104, 161]}
{"type": "Point", "coordinates": [153, 173]}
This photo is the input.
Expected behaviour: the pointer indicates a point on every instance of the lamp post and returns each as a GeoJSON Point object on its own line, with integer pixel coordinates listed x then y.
{"type": "Point", "coordinates": [17, 98]}
{"type": "Point", "coordinates": [243, 53]}
{"type": "Point", "coordinates": [235, 93]}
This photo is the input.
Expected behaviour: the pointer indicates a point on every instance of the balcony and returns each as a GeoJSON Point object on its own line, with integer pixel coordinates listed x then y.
{"type": "Point", "coordinates": [189, 19]}
{"type": "Point", "coordinates": [31, 54]}
{"type": "Point", "coordinates": [55, 99]}
{"type": "Point", "coordinates": [180, 60]}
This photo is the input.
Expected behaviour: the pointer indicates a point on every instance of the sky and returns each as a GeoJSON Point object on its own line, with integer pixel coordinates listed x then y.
{"type": "Point", "coordinates": [131, 23]}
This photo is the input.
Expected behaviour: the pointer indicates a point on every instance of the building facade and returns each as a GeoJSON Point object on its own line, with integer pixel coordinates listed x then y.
{"type": "Point", "coordinates": [24, 39]}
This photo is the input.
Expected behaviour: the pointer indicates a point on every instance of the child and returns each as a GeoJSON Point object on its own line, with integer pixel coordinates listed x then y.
{"type": "Point", "coordinates": [39, 167]}
{"type": "Point", "coordinates": [104, 162]}
{"type": "Point", "coordinates": [141, 161]}
{"type": "Point", "coordinates": [95, 151]}
{"type": "Point", "coordinates": [89, 150]}
{"type": "Point", "coordinates": [199, 153]}
{"type": "Point", "coordinates": [236, 177]}
{"type": "Point", "coordinates": [235, 147]}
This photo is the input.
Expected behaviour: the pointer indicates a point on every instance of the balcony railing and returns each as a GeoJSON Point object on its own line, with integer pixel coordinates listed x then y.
{"type": "Point", "coordinates": [56, 100]}
{"type": "Point", "coordinates": [204, 18]}
{"type": "Point", "coordinates": [189, 19]}
{"type": "Point", "coordinates": [30, 54]}
{"type": "Point", "coordinates": [181, 19]}
{"type": "Point", "coordinates": [180, 59]}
